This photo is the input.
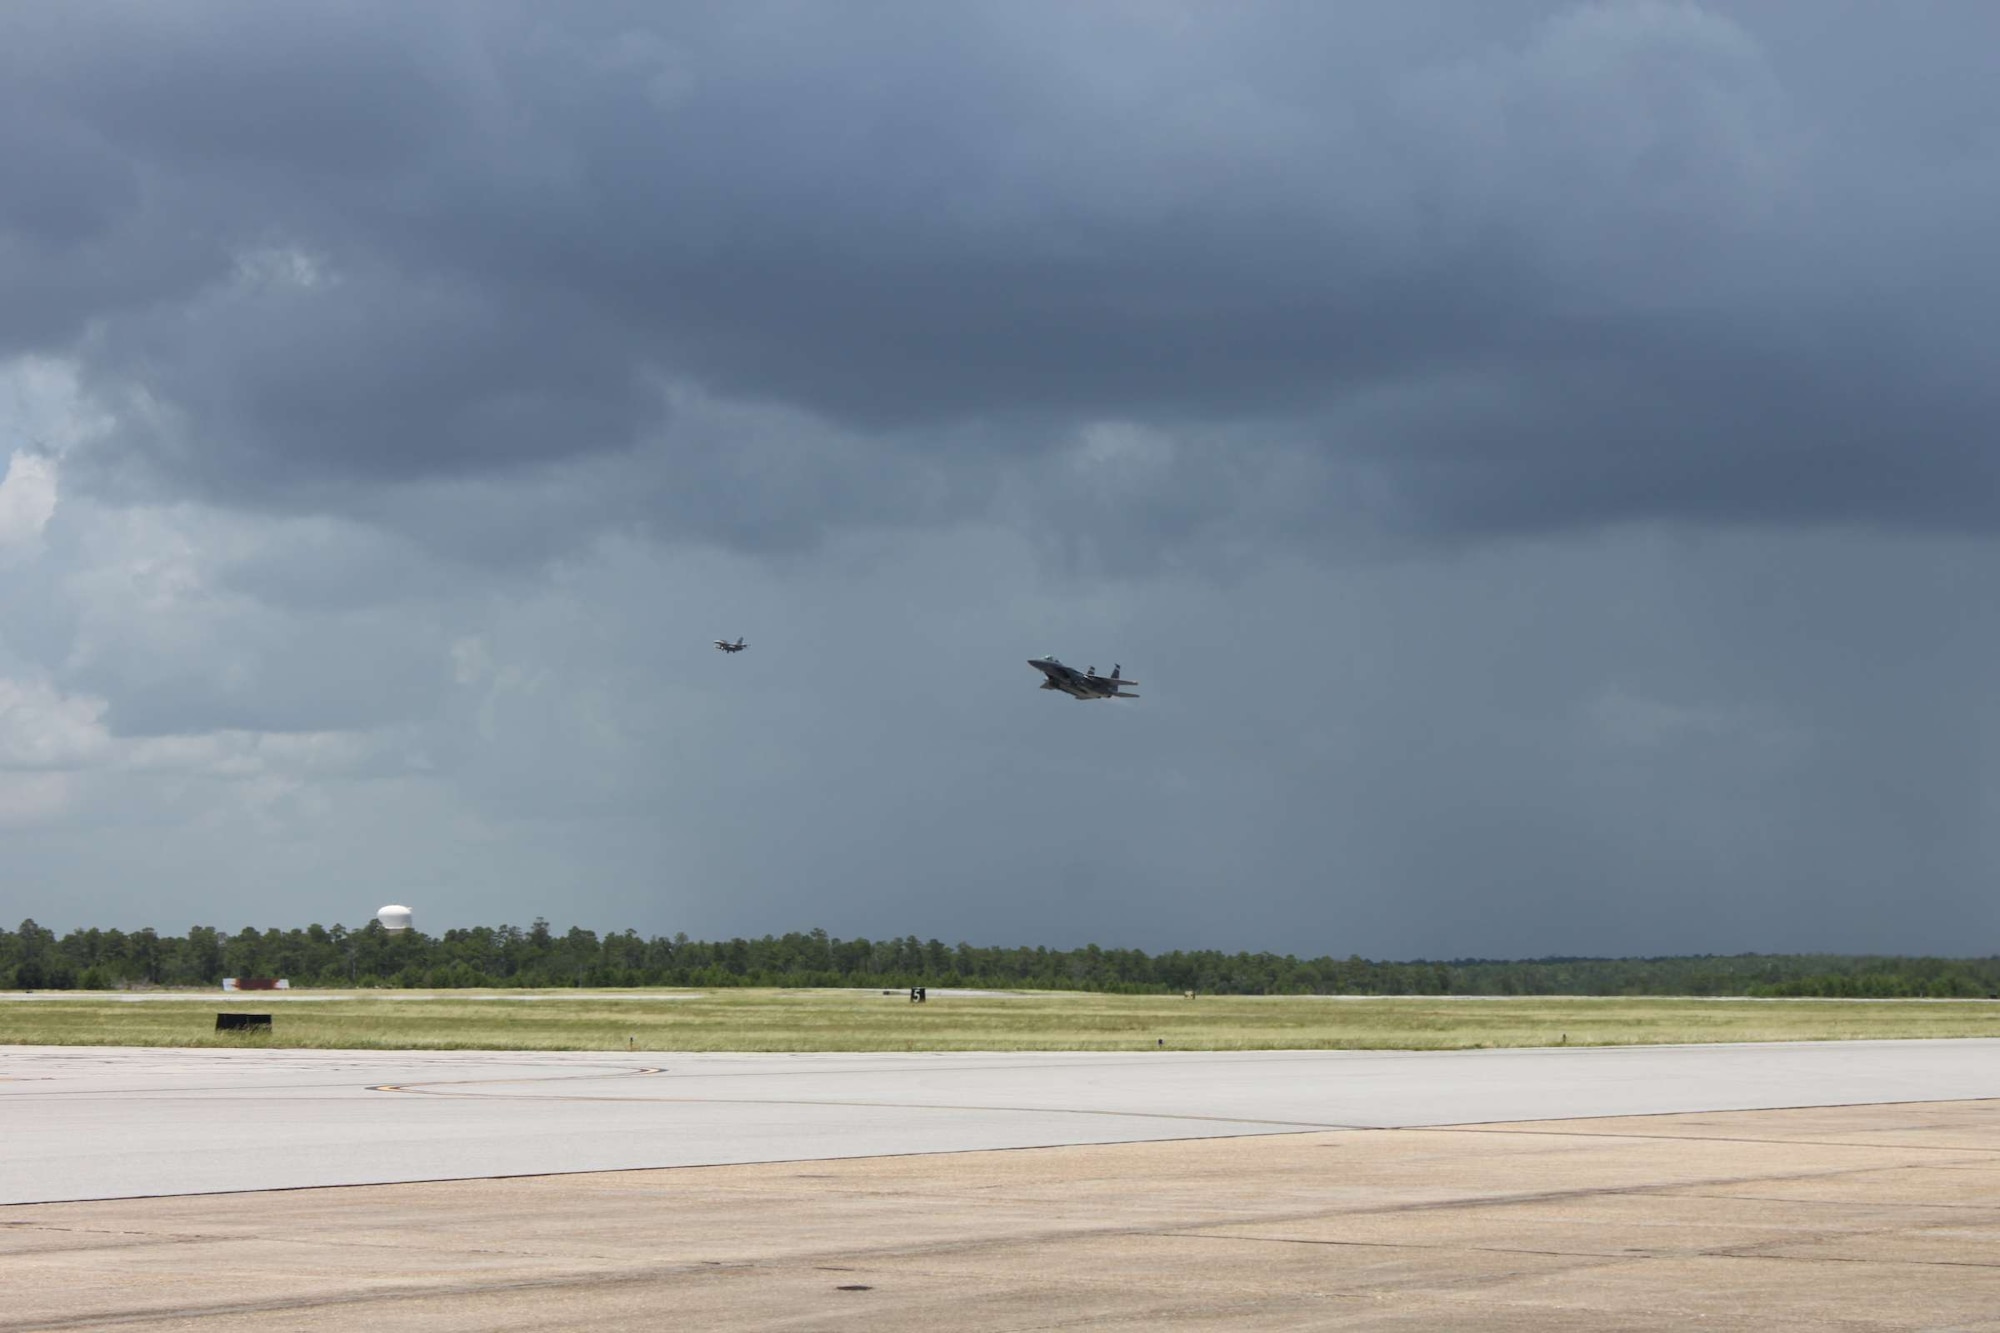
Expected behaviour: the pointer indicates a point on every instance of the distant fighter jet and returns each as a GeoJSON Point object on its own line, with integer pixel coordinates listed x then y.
{"type": "Point", "coordinates": [728, 647]}
{"type": "Point", "coordinates": [1085, 684]}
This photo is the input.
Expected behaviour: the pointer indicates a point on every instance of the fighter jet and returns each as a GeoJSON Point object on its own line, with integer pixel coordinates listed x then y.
{"type": "Point", "coordinates": [728, 647]}
{"type": "Point", "coordinates": [1085, 684]}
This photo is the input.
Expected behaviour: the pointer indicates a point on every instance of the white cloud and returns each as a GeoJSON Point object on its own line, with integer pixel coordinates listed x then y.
{"type": "Point", "coordinates": [43, 729]}
{"type": "Point", "coordinates": [27, 502]}
{"type": "Point", "coordinates": [283, 267]}
{"type": "Point", "coordinates": [52, 744]}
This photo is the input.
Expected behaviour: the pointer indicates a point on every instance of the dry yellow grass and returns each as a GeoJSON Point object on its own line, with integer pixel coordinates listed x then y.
{"type": "Point", "coordinates": [849, 1020]}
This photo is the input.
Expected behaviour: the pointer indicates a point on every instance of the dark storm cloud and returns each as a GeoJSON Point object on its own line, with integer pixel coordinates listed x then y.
{"type": "Point", "coordinates": [424, 386]}
{"type": "Point", "coordinates": [143, 145]}
{"type": "Point", "coordinates": [1517, 267]}
{"type": "Point", "coordinates": [387, 379]}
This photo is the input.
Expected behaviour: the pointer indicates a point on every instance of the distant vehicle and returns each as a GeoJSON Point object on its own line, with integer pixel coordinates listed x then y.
{"type": "Point", "coordinates": [728, 647]}
{"type": "Point", "coordinates": [1085, 684]}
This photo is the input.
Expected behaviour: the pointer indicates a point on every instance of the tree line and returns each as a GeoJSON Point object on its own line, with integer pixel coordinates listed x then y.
{"type": "Point", "coordinates": [34, 958]}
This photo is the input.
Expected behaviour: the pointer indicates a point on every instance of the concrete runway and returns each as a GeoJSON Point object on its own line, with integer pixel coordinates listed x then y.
{"type": "Point", "coordinates": [1860, 1219]}
{"type": "Point", "coordinates": [103, 1123]}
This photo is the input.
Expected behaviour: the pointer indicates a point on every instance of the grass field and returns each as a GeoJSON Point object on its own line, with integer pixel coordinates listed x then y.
{"type": "Point", "coordinates": [848, 1020]}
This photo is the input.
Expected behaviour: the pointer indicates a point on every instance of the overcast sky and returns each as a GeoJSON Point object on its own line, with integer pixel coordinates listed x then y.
{"type": "Point", "coordinates": [1541, 460]}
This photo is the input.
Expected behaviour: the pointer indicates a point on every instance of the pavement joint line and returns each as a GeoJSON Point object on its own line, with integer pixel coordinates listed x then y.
{"type": "Point", "coordinates": [1262, 1133]}
{"type": "Point", "coordinates": [1284, 1126]}
{"type": "Point", "coordinates": [1526, 1126]}
{"type": "Point", "coordinates": [1621, 1256]}
{"type": "Point", "coordinates": [1421, 1205]}
{"type": "Point", "coordinates": [1694, 1138]}
{"type": "Point", "coordinates": [1613, 1255]}
{"type": "Point", "coordinates": [404, 1292]}
{"type": "Point", "coordinates": [597, 1071]}
{"type": "Point", "coordinates": [1509, 1200]}
{"type": "Point", "coordinates": [1848, 1259]}
{"type": "Point", "coordinates": [213, 1237]}
{"type": "Point", "coordinates": [165, 1093]}
{"type": "Point", "coordinates": [1849, 1203]}
{"type": "Point", "coordinates": [1765, 1249]}
{"type": "Point", "coordinates": [427, 1084]}
{"type": "Point", "coordinates": [684, 1166]}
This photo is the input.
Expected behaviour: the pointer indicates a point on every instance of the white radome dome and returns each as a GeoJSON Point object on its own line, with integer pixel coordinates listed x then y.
{"type": "Point", "coordinates": [394, 918]}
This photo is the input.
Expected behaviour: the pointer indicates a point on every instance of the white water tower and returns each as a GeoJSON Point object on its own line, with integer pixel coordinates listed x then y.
{"type": "Point", "coordinates": [394, 919]}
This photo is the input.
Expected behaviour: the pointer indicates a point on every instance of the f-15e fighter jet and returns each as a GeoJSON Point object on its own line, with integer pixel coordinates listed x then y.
{"type": "Point", "coordinates": [1085, 684]}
